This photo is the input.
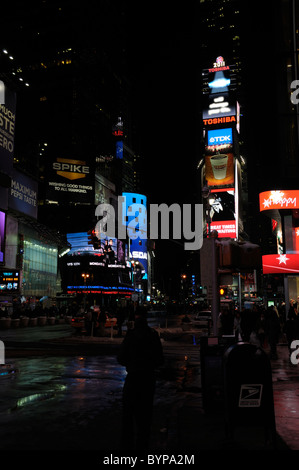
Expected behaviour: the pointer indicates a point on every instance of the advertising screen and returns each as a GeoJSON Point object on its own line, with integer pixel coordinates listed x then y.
{"type": "Point", "coordinates": [2, 236]}
{"type": "Point", "coordinates": [9, 280]}
{"type": "Point", "coordinates": [280, 199]}
{"type": "Point", "coordinates": [7, 130]}
{"type": "Point", "coordinates": [219, 80]}
{"type": "Point", "coordinates": [70, 180]}
{"type": "Point", "coordinates": [222, 213]}
{"type": "Point", "coordinates": [220, 105]}
{"type": "Point", "coordinates": [119, 149]}
{"type": "Point", "coordinates": [283, 263]}
{"type": "Point", "coordinates": [220, 137]}
{"type": "Point", "coordinates": [135, 206]}
{"type": "Point", "coordinates": [23, 194]}
{"type": "Point", "coordinates": [219, 169]}
{"type": "Point", "coordinates": [111, 252]}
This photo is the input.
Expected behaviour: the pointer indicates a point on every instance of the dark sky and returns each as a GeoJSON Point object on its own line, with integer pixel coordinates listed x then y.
{"type": "Point", "coordinates": [164, 66]}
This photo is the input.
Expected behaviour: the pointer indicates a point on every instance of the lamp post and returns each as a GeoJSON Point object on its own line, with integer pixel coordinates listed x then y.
{"type": "Point", "coordinates": [212, 235]}
{"type": "Point", "coordinates": [85, 276]}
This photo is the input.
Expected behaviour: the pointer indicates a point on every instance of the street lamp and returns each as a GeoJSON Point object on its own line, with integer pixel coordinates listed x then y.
{"type": "Point", "coordinates": [212, 235]}
{"type": "Point", "coordinates": [85, 276]}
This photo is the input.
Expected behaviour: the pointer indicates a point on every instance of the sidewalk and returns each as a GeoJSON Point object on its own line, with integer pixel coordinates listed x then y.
{"type": "Point", "coordinates": [183, 425]}
{"type": "Point", "coordinates": [194, 429]}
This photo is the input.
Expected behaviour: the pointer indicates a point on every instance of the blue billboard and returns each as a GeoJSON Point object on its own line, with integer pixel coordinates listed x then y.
{"type": "Point", "coordinates": [220, 136]}
{"type": "Point", "coordinates": [134, 212]}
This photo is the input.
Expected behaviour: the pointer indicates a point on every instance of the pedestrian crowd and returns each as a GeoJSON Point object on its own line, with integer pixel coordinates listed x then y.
{"type": "Point", "coordinates": [264, 327]}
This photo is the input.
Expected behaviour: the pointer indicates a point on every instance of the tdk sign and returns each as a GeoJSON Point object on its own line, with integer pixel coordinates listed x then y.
{"type": "Point", "coordinates": [220, 136]}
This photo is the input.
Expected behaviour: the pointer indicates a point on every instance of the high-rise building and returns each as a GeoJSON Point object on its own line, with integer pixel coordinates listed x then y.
{"type": "Point", "coordinates": [69, 73]}
{"type": "Point", "coordinates": [263, 40]}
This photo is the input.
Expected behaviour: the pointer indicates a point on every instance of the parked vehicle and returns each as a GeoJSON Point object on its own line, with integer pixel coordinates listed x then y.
{"type": "Point", "coordinates": [202, 319]}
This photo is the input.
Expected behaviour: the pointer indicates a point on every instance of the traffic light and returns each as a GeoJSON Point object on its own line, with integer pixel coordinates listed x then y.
{"type": "Point", "coordinates": [239, 255]}
{"type": "Point", "coordinates": [223, 291]}
{"type": "Point", "coordinates": [92, 239]}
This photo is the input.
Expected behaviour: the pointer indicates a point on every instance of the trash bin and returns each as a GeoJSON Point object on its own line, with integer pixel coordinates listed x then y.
{"type": "Point", "coordinates": [212, 349]}
{"type": "Point", "coordinates": [248, 391]}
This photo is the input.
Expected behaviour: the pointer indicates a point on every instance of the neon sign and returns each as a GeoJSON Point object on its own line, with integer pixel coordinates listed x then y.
{"type": "Point", "coordinates": [118, 133]}
{"type": "Point", "coordinates": [284, 263]}
{"type": "Point", "coordinates": [279, 200]}
{"type": "Point", "coordinates": [226, 229]}
{"type": "Point", "coordinates": [219, 62]}
{"type": "Point", "coordinates": [219, 65]}
{"type": "Point", "coordinates": [219, 120]}
{"type": "Point", "coordinates": [220, 136]}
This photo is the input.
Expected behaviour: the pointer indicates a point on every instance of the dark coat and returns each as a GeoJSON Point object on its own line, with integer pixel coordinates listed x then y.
{"type": "Point", "coordinates": [141, 350]}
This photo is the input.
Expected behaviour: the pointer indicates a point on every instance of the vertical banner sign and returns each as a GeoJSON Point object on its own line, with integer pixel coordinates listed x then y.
{"type": "Point", "coordinates": [23, 194]}
{"type": "Point", "coordinates": [7, 128]}
{"type": "Point", "coordinates": [2, 236]}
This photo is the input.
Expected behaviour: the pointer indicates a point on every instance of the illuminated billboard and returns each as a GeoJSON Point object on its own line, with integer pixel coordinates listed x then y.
{"type": "Point", "coordinates": [280, 199]}
{"type": "Point", "coordinates": [70, 180]}
{"type": "Point", "coordinates": [220, 136]}
{"type": "Point", "coordinates": [281, 263]}
{"type": "Point", "coordinates": [219, 83]}
{"type": "Point", "coordinates": [220, 118]}
{"type": "Point", "coordinates": [2, 236]}
{"type": "Point", "coordinates": [119, 149]}
{"type": "Point", "coordinates": [9, 280]}
{"type": "Point", "coordinates": [7, 130]}
{"type": "Point", "coordinates": [219, 169]}
{"type": "Point", "coordinates": [222, 212]}
{"type": "Point", "coordinates": [219, 106]}
{"type": "Point", "coordinates": [111, 252]}
{"type": "Point", "coordinates": [135, 206]}
{"type": "Point", "coordinates": [23, 194]}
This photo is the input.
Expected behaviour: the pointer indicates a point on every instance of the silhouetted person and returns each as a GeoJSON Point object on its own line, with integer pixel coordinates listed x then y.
{"type": "Point", "coordinates": [141, 352]}
{"type": "Point", "coordinates": [273, 332]}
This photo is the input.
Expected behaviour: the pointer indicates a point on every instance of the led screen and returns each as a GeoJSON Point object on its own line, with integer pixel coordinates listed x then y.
{"type": "Point", "coordinates": [220, 136]}
{"type": "Point", "coordinates": [111, 251]}
{"type": "Point", "coordinates": [222, 213]}
{"type": "Point", "coordinates": [2, 236]}
{"type": "Point", "coordinates": [219, 169]}
{"type": "Point", "coordinates": [9, 280]}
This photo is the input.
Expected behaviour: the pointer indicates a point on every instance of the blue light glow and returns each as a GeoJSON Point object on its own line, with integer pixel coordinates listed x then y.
{"type": "Point", "coordinates": [220, 83]}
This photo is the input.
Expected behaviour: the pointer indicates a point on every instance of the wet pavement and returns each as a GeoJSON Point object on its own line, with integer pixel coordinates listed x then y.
{"type": "Point", "coordinates": [66, 396]}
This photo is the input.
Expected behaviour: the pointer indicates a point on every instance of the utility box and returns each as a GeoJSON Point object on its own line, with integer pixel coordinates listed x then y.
{"type": "Point", "coordinates": [248, 391]}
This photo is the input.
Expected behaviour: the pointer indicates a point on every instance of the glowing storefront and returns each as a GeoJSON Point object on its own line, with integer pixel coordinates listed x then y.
{"type": "Point", "coordinates": [282, 206]}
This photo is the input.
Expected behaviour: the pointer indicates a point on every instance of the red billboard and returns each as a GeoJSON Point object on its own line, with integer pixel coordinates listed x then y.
{"type": "Point", "coordinates": [283, 263]}
{"type": "Point", "coordinates": [280, 199]}
{"type": "Point", "coordinates": [222, 212]}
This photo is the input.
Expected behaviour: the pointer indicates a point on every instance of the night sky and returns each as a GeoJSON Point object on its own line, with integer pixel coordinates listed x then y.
{"type": "Point", "coordinates": [165, 68]}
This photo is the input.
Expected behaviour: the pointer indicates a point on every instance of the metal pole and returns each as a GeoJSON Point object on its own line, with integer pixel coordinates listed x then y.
{"type": "Point", "coordinates": [215, 286]}
{"type": "Point", "coordinates": [240, 292]}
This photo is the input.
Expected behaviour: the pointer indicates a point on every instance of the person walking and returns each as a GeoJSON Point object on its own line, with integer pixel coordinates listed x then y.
{"type": "Point", "coordinates": [273, 331]}
{"type": "Point", "coordinates": [141, 353]}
